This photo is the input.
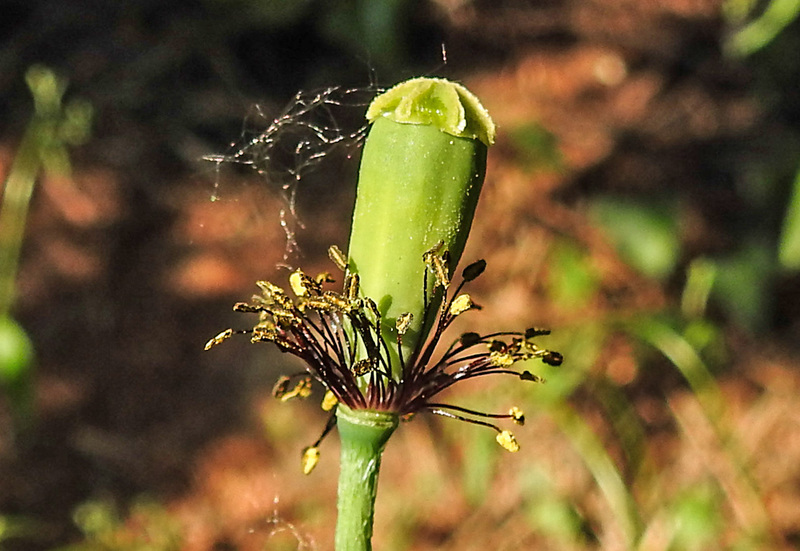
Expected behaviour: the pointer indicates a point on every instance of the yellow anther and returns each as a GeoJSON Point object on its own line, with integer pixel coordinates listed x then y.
{"type": "Point", "coordinates": [319, 304]}
{"type": "Point", "coordinates": [301, 390]}
{"type": "Point", "coordinates": [265, 324]}
{"type": "Point", "coordinates": [517, 415]}
{"type": "Point", "coordinates": [403, 322]}
{"type": "Point", "coordinates": [433, 251]}
{"type": "Point", "coordinates": [496, 346]}
{"type": "Point", "coordinates": [264, 332]}
{"type": "Point", "coordinates": [373, 308]}
{"type": "Point", "coordinates": [507, 440]}
{"type": "Point", "coordinates": [286, 318]}
{"type": "Point", "coordinates": [501, 359]}
{"type": "Point", "coordinates": [460, 304]}
{"type": "Point", "coordinates": [225, 335]}
{"type": "Point", "coordinates": [324, 277]}
{"type": "Point", "coordinates": [338, 257]}
{"type": "Point", "coordinates": [440, 271]}
{"type": "Point", "coordinates": [337, 301]}
{"type": "Point", "coordinates": [362, 367]}
{"type": "Point", "coordinates": [329, 401]}
{"type": "Point", "coordinates": [310, 459]}
{"type": "Point", "coordinates": [437, 264]}
{"type": "Point", "coordinates": [275, 294]}
{"type": "Point", "coordinates": [281, 386]}
{"type": "Point", "coordinates": [298, 284]}
{"type": "Point", "coordinates": [353, 286]}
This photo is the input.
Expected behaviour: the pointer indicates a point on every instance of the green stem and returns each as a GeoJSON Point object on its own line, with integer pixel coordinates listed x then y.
{"type": "Point", "coordinates": [363, 434]}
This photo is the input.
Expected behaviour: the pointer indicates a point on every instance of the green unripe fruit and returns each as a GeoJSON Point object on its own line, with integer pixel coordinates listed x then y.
{"type": "Point", "coordinates": [16, 352]}
{"type": "Point", "coordinates": [16, 360]}
{"type": "Point", "coordinates": [421, 173]}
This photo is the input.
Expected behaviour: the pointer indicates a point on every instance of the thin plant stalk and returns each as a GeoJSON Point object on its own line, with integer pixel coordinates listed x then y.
{"type": "Point", "coordinates": [363, 436]}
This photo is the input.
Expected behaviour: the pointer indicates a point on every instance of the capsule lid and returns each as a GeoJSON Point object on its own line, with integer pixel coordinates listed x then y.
{"type": "Point", "coordinates": [435, 101]}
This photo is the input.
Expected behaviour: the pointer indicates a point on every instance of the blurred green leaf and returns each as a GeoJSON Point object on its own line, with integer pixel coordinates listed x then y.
{"type": "Point", "coordinates": [754, 36]}
{"type": "Point", "coordinates": [17, 527]}
{"type": "Point", "coordinates": [571, 280]}
{"type": "Point", "coordinates": [789, 247]}
{"type": "Point", "coordinates": [696, 518]}
{"type": "Point", "coordinates": [646, 236]}
{"type": "Point", "coordinates": [547, 512]}
{"type": "Point", "coordinates": [744, 284]}
{"type": "Point", "coordinates": [536, 147]}
{"type": "Point", "coordinates": [147, 528]}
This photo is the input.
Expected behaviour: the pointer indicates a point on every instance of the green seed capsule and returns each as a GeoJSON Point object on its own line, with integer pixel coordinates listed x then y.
{"type": "Point", "coordinates": [421, 172]}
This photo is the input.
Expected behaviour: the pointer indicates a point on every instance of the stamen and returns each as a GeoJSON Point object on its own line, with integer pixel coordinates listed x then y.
{"type": "Point", "coordinates": [311, 454]}
{"type": "Point", "coordinates": [403, 322]}
{"type": "Point", "coordinates": [338, 257]}
{"type": "Point", "coordinates": [352, 286]}
{"type": "Point", "coordinates": [329, 401]}
{"type": "Point", "coordinates": [496, 346]}
{"type": "Point", "coordinates": [373, 308]}
{"type": "Point", "coordinates": [469, 339]}
{"type": "Point", "coordinates": [473, 270]}
{"type": "Point", "coordinates": [362, 367]}
{"type": "Point", "coordinates": [247, 308]}
{"type": "Point", "coordinates": [300, 283]}
{"type": "Point", "coordinates": [532, 332]}
{"type": "Point", "coordinates": [517, 415]}
{"type": "Point", "coordinates": [460, 304]}
{"type": "Point", "coordinates": [329, 330]}
{"type": "Point", "coordinates": [501, 359]}
{"type": "Point", "coordinates": [336, 300]}
{"type": "Point", "coordinates": [319, 305]}
{"type": "Point", "coordinates": [507, 440]}
{"type": "Point", "coordinates": [552, 358]}
{"type": "Point", "coordinates": [274, 293]}
{"type": "Point", "coordinates": [437, 264]}
{"type": "Point", "coordinates": [223, 336]}
{"type": "Point", "coordinates": [281, 386]}
{"type": "Point", "coordinates": [310, 459]}
{"type": "Point", "coordinates": [301, 390]}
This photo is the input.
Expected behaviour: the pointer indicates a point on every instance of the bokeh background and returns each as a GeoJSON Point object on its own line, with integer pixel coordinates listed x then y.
{"type": "Point", "coordinates": [640, 202]}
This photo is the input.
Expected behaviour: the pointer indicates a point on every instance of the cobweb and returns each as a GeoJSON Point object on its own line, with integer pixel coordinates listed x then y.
{"type": "Point", "coordinates": [276, 529]}
{"type": "Point", "coordinates": [285, 149]}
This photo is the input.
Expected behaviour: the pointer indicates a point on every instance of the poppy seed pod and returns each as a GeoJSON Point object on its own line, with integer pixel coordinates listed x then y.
{"type": "Point", "coordinates": [421, 173]}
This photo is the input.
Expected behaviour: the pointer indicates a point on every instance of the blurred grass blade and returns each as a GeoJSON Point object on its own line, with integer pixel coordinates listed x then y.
{"type": "Point", "coordinates": [708, 405]}
{"type": "Point", "coordinates": [627, 424]}
{"type": "Point", "coordinates": [683, 355]}
{"type": "Point", "coordinates": [700, 278]}
{"type": "Point", "coordinates": [728, 469]}
{"type": "Point", "coordinates": [789, 247]}
{"type": "Point", "coordinates": [760, 32]}
{"type": "Point", "coordinates": [603, 469]}
{"type": "Point", "coordinates": [42, 148]}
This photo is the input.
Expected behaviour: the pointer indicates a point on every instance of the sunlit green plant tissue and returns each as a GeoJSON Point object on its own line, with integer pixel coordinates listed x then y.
{"type": "Point", "coordinates": [375, 345]}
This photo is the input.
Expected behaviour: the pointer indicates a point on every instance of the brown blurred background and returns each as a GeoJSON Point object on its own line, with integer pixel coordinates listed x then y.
{"type": "Point", "coordinates": [638, 202]}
